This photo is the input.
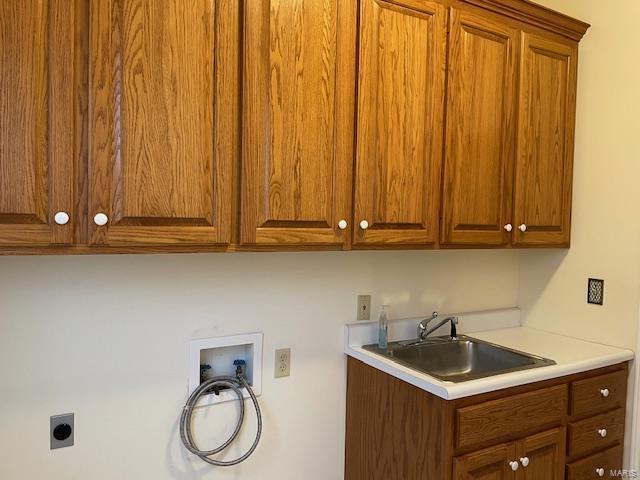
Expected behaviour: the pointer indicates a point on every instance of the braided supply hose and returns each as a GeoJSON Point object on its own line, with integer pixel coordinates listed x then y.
{"type": "Point", "coordinates": [235, 384]}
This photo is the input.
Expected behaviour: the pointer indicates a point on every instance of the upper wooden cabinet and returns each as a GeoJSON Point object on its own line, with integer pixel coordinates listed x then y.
{"type": "Point", "coordinates": [161, 121]}
{"type": "Point", "coordinates": [399, 122]}
{"type": "Point", "coordinates": [36, 122]}
{"type": "Point", "coordinates": [299, 68]}
{"type": "Point", "coordinates": [544, 167]}
{"type": "Point", "coordinates": [483, 204]}
{"type": "Point", "coordinates": [481, 126]}
{"type": "Point", "coordinates": [165, 125]}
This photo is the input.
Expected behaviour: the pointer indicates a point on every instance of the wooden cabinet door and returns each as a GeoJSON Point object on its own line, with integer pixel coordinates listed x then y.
{"type": "Point", "coordinates": [299, 85]}
{"type": "Point", "coordinates": [480, 133]}
{"type": "Point", "coordinates": [162, 120]}
{"type": "Point", "coordinates": [36, 121]}
{"type": "Point", "coordinates": [542, 456]}
{"type": "Point", "coordinates": [489, 464]}
{"type": "Point", "coordinates": [544, 162]}
{"type": "Point", "coordinates": [399, 122]}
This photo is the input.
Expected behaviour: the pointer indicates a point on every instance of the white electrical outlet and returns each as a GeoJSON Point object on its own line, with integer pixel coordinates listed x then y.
{"type": "Point", "coordinates": [283, 363]}
{"type": "Point", "coordinates": [364, 307]}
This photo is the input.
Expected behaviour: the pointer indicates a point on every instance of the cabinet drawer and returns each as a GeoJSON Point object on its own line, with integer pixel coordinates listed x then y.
{"type": "Point", "coordinates": [596, 433]}
{"type": "Point", "coordinates": [587, 468]}
{"type": "Point", "coordinates": [597, 394]}
{"type": "Point", "coordinates": [509, 416]}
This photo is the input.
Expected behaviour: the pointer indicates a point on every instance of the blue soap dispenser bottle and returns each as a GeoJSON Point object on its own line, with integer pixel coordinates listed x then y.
{"type": "Point", "coordinates": [383, 328]}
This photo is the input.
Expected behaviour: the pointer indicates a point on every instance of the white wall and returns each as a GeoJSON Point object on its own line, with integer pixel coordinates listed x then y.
{"type": "Point", "coordinates": [105, 337]}
{"type": "Point", "coordinates": [606, 224]}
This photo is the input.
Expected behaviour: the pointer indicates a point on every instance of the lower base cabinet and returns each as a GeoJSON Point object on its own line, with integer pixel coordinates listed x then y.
{"type": "Point", "coordinates": [537, 457]}
{"type": "Point", "coordinates": [566, 428]}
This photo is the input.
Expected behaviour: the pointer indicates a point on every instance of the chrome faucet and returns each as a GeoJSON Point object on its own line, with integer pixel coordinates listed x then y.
{"type": "Point", "coordinates": [424, 330]}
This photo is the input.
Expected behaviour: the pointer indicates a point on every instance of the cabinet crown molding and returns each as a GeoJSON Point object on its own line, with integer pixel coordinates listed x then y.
{"type": "Point", "coordinates": [536, 15]}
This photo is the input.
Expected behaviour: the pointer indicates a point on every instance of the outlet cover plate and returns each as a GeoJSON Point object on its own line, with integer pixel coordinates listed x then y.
{"type": "Point", "coordinates": [55, 421]}
{"type": "Point", "coordinates": [364, 308]}
{"type": "Point", "coordinates": [282, 363]}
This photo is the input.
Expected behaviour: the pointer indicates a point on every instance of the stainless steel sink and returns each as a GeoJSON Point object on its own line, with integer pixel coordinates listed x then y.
{"type": "Point", "coordinates": [459, 360]}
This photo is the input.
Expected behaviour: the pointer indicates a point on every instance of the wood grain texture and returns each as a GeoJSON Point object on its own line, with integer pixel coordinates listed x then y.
{"type": "Point", "coordinates": [159, 151]}
{"type": "Point", "coordinates": [480, 132]}
{"type": "Point", "coordinates": [81, 123]}
{"type": "Point", "coordinates": [535, 15]}
{"type": "Point", "coordinates": [544, 165]}
{"type": "Point", "coordinates": [36, 147]}
{"type": "Point", "coordinates": [84, 249]}
{"type": "Point", "coordinates": [395, 427]}
{"type": "Point", "coordinates": [400, 121]}
{"type": "Point", "coordinates": [585, 469]}
{"type": "Point", "coordinates": [586, 396]}
{"type": "Point", "coordinates": [584, 437]}
{"type": "Point", "coordinates": [546, 454]}
{"type": "Point", "coordinates": [488, 396]}
{"type": "Point", "coordinates": [497, 419]}
{"type": "Point", "coordinates": [394, 431]}
{"type": "Point", "coordinates": [489, 464]}
{"type": "Point", "coordinates": [161, 165]}
{"type": "Point", "coordinates": [298, 141]}
{"type": "Point", "coordinates": [161, 249]}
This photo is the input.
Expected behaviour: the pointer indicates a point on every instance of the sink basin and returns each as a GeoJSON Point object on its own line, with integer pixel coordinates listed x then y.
{"type": "Point", "coordinates": [459, 360]}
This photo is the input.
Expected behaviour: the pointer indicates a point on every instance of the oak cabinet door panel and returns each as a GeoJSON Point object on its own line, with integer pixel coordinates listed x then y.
{"type": "Point", "coordinates": [36, 122]}
{"type": "Point", "coordinates": [542, 456]}
{"type": "Point", "coordinates": [489, 464]}
{"type": "Point", "coordinates": [162, 121]}
{"type": "Point", "coordinates": [299, 68]}
{"type": "Point", "coordinates": [544, 165]}
{"type": "Point", "coordinates": [399, 122]}
{"type": "Point", "coordinates": [480, 137]}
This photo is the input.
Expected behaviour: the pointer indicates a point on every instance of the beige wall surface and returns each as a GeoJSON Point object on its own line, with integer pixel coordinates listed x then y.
{"type": "Point", "coordinates": [106, 337]}
{"type": "Point", "coordinates": [606, 223]}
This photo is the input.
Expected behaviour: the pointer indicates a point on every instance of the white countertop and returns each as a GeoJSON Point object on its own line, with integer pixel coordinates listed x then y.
{"type": "Point", "coordinates": [571, 356]}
